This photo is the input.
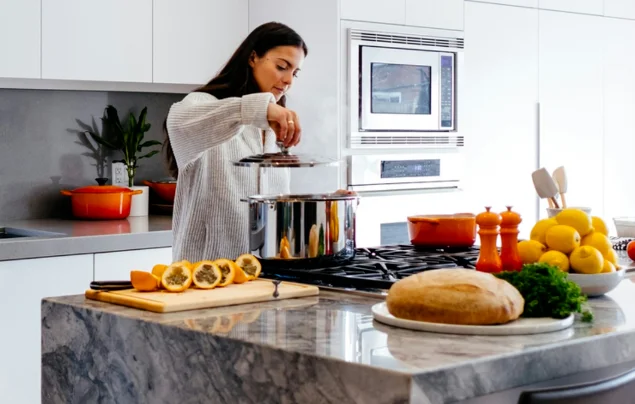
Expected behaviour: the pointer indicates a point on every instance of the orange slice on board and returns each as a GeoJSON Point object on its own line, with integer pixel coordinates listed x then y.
{"type": "Point", "coordinates": [176, 278]}
{"type": "Point", "coordinates": [145, 281]}
{"type": "Point", "coordinates": [228, 271]}
{"type": "Point", "coordinates": [206, 275]}
{"type": "Point", "coordinates": [159, 269]}
{"type": "Point", "coordinates": [250, 266]}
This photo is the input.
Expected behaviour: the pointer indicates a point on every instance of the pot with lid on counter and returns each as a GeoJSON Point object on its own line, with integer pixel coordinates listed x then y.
{"type": "Point", "coordinates": [303, 230]}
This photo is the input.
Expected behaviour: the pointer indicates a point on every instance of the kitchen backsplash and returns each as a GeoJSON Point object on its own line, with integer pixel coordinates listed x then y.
{"type": "Point", "coordinates": [41, 151]}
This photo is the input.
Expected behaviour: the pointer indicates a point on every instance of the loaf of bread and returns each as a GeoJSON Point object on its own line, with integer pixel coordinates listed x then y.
{"type": "Point", "coordinates": [455, 296]}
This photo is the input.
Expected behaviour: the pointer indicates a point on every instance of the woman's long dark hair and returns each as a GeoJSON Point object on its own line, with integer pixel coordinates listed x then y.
{"type": "Point", "coordinates": [236, 78]}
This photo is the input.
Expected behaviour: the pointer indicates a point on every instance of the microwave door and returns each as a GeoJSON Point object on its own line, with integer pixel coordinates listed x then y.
{"type": "Point", "coordinates": [399, 89]}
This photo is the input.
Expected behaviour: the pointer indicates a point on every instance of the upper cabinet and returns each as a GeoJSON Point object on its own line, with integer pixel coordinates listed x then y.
{"type": "Point", "coordinates": [386, 11]}
{"type": "Point", "coordinates": [20, 38]}
{"type": "Point", "coordinates": [194, 38]}
{"type": "Point", "coordinates": [97, 40]}
{"type": "Point", "coordinates": [575, 6]}
{"type": "Point", "coordinates": [619, 8]}
{"type": "Point", "coordinates": [446, 14]}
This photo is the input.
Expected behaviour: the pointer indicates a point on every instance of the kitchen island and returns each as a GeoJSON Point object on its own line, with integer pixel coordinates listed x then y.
{"type": "Point", "coordinates": [322, 349]}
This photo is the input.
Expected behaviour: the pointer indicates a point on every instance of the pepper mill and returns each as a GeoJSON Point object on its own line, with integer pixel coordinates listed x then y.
{"type": "Point", "coordinates": [488, 258]}
{"type": "Point", "coordinates": [510, 257]}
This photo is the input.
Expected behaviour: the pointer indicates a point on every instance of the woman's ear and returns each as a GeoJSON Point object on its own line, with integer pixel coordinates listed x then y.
{"type": "Point", "coordinates": [252, 59]}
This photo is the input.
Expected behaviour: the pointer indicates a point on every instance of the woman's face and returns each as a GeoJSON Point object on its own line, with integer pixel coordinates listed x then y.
{"type": "Point", "coordinates": [275, 70]}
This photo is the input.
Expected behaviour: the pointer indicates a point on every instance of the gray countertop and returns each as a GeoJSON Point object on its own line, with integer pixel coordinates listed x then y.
{"type": "Point", "coordinates": [73, 237]}
{"type": "Point", "coordinates": [324, 349]}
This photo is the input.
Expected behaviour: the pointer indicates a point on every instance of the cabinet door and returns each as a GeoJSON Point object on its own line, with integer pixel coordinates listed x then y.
{"type": "Point", "coordinates": [619, 120]}
{"type": "Point", "coordinates": [446, 14]}
{"type": "Point", "coordinates": [571, 99]}
{"type": "Point", "coordinates": [97, 40]}
{"type": "Point", "coordinates": [575, 6]}
{"type": "Point", "coordinates": [499, 117]}
{"type": "Point", "coordinates": [387, 11]}
{"type": "Point", "coordinates": [520, 3]}
{"type": "Point", "coordinates": [619, 8]}
{"type": "Point", "coordinates": [20, 38]}
{"type": "Point", "coordinates": [26, 283]}
{"type": "Point", "coordinates": [194, 38]}
{"type": "Point", "coordinates": [117, 265]}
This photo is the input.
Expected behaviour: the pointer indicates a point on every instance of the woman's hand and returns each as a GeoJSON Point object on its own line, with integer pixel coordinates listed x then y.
{"type": "Point", "coordinates": [285, 123]}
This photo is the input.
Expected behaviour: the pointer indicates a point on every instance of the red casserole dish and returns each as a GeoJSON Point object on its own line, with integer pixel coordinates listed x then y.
{"type": "Point", "coordinates": [101, 202]}
{"type": "Point", "coordinates": [441, 231]}
{"type": "Point", "coordinates": [166, 190]}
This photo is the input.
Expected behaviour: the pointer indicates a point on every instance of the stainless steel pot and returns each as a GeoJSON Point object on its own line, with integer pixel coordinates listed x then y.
{"type": "Point", "coordinates": [303, 231]}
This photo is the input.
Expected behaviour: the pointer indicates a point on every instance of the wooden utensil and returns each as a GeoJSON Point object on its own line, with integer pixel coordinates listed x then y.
{"type": "Point", "coordinates": [545, 186]}
{"type": "Point", "coordinates": [560, 178]}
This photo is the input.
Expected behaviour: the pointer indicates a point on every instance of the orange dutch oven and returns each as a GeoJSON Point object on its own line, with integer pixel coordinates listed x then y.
{"type": "Point", "coordinates": [101, 202]}
{"type": "Point", "coordinates": [166, 190]}
{"type": "Point", "coordinates": [440, 231]}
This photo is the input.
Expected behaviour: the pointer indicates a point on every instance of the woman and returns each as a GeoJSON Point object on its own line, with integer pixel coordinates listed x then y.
{"type": "Point", "coordinates": [240, 112]}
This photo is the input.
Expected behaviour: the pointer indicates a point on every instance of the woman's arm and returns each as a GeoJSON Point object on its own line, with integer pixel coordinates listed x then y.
{"type": "Point", "coordinates": [201, 121]}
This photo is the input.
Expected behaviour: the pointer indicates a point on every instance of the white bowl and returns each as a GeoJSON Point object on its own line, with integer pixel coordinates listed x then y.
{"type": "Point", "coordinates": [625, 226]}
{"type": "Point", "coordinates": [598, 284]}
{"type": "Point", "coordinates": [552, 212]}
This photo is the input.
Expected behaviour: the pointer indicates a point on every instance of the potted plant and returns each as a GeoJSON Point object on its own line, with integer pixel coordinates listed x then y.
{"type": "Point", "coordinates": [128, 138]}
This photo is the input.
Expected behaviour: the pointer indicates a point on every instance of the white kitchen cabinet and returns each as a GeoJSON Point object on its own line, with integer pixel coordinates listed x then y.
{"type": "Point", "coordinates": [619, 8]}
{"type": "Point", "coordinates": [25, 283]}
{"type": "Point", "coordinates": [194, 38]}
{"type": "Point", "coordinates": [117, 265]}
{"type": "Point", "coordinates": [619, 120]}
{"type": "Point", "coordinates": [499, 116]}
{"type": "Point", "coordinates": [97, 40]}
{"type": "Point", "coordinates": [386, 11]}
{"type": "Point", "coordinates": [574, 6]}
{"type": "Point", "coordinates": [571, 100]}
{"type": "Point", "coordinates": [446, 14]}
{"type": "Point", "coordinates": [20, 38]}
{"type": "Point", "coordinates": [519, 3]}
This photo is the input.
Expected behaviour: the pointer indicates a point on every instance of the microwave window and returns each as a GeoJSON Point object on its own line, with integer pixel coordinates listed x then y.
{"type": "Point", "coordinates": [410, 168]}
{"type": "Point", "coordinates": [400, 89]}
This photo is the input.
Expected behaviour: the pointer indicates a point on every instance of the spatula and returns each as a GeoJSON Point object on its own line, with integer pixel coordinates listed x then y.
{"type": "Point", "coordinates": [560, 178]}
{"type": "Point", "coordinates": [545, 186]}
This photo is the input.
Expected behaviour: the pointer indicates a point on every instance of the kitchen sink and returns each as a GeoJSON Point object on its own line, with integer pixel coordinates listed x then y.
{"type": "Point", "coordinates": [13, 233]}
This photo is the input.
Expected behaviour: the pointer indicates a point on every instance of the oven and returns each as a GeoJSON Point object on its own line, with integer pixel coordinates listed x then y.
{"type": "Point", "coordinates": [403, 89]}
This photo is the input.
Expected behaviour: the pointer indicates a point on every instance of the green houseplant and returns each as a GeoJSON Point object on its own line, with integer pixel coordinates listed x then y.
{"type": "Point", "coordinates": [127, 137]}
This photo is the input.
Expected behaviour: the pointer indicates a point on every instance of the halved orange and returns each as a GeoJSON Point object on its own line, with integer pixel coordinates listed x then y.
{"type": "Point", "coordinates": [159, 269]}
{"type": "Point", "coordinates": [144, 281]}
{"type": "Point", "coordinates": [185, 263]}
{"type": "Point", "coordinates": [228, 271]}
{"type": "Point", "coordinates": [250, 266]}
{"type": "Point", "coordinates": [176, 278]}
{"type": "Point", "coordinates": [206, 275]}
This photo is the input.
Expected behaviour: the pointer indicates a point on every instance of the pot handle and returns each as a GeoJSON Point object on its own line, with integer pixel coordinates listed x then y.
{"type": "Point", "coordinates": [148, 183]}
{"type": "Point", "coordinates": [66, 193]}
{"type": "Point", "coordinates": [136, 192]}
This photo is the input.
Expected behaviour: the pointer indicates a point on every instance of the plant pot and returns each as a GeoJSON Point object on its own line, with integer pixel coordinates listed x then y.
{"type": "Point", "coordinates": [140, 202]}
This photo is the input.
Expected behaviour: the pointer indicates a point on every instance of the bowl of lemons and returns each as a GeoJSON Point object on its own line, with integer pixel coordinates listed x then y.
{"type": "Point", "coordinates": [578, 243]}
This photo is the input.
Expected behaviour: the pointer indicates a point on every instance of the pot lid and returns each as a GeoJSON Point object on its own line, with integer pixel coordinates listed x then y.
{"type": "Point", "coordinates": [101, 189]}
{"type": "Point", "coordinates": [303, 198]}
{"type": "Point", "coordinates": [285, 159]}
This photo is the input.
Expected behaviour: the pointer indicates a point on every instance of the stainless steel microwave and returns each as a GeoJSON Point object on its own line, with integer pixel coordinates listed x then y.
{"type": "Point", "coordinates": [404, 88]}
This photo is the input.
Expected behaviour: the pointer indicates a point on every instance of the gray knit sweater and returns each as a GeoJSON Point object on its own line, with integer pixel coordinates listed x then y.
{"type": "Point", "coordinates": [207, 134]}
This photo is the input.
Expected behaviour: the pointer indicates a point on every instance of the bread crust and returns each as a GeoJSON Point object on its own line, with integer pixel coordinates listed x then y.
{"type": "Point", "coordinates": [455, 296]}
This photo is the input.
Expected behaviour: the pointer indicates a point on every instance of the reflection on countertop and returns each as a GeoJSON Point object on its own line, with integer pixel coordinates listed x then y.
{"type": "Point", "coordinates": [86, 236]}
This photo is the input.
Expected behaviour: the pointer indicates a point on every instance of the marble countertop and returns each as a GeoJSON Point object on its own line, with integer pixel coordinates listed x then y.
{"type": "Point", "coordinates": [329, 345]}
{"type": "Point", "coordinates": [70, 237]}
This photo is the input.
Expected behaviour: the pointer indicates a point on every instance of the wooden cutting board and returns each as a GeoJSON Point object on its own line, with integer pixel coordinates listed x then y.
{"type": "Point", "coordinates": [259, 290]}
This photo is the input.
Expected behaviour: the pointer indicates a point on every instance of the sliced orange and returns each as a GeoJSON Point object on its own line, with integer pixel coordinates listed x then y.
{"type": "Point", "coordinates": [250, 266]}
{"type": "Point", "coordinates": [206, 275]}
{"type": "Point", "coordinates": [176, 278]}
{"type": "Point", "coordinates": [228, 271]}
{"type": "Point", "coordinates": [185, 263]}
{"type": "Point", "coordinates": [159, 269]}
{"type": "Point", "coordinates": [145, 281]}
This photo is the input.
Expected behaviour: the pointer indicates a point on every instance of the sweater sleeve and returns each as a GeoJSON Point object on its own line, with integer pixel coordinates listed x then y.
{"type": "Point", "coordinates": [200, 121]}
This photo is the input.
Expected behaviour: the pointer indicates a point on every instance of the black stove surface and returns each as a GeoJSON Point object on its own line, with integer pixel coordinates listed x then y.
{"type": "Point", "coordinates": [378, 268]}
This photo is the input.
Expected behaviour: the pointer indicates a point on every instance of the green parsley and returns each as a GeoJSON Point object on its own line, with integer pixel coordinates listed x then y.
{"type": "Point", "coordinates": [547, 291]}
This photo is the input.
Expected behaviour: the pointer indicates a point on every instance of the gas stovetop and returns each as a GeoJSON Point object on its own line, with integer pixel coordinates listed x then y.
{"type": "Point", "coordinates": [377, 268]}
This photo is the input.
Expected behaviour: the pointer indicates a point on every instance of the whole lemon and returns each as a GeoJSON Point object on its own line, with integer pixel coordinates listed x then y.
{"type": "Point", "coordinates": [539, 231]}
{"type": "Point", "coordinates": [599, 225]}
{"type": "Point", "coordinates": [530, 251]}
{"type": "Point", "coordinates": [611, 256]}
{"type": "Point", "coordinates": [577, 219]}
{"type": "Point", "coordinates": [586, 260]}
{"type": "Point", "coordinates": [599, 241]}
{"type": "Point", "coordinates": [557, 259]}
{"type": "Point", "coordinates": [608, 267]}
{"type": "Point", "coordinates": [563, 238]}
